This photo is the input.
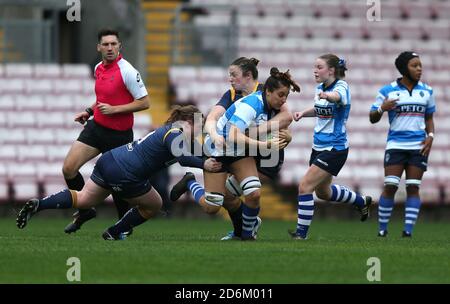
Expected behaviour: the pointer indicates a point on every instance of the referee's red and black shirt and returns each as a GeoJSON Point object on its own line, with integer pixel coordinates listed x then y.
{"type": "Point", "coordinates": [117, 83]}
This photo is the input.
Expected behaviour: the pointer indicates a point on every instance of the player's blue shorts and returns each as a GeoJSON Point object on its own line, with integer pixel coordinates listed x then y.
{"type": "Point", "coordinates": [330, 161]}
{"type": "Point", "coordinates": [405, 157]}
{"type": "Point", "coordinates": [107, 174]}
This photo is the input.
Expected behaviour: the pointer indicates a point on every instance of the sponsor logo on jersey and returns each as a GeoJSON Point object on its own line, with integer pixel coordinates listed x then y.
{"type": "Point", "coordinates": [324, 112]}
{"type": "Point", "coordinates": [411, 108]}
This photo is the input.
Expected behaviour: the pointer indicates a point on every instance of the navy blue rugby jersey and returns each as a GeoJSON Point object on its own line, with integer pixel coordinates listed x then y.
{"type": "Point", "coordinates": [158, 149]}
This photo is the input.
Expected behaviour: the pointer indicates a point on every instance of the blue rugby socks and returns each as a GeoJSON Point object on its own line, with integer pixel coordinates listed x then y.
{"type": "Point", "coordinates": [345, 195]}
{"type": "Point", "coordinates": [305, 214]}
{"type": "Point", "coordinates": [412, 208]}
{"type": "Point", "coordinates": [196, 189]}
{"type": "Point", "coordinates": [385, 206]}
{"type": "Point", "coordinates": [249, 216]}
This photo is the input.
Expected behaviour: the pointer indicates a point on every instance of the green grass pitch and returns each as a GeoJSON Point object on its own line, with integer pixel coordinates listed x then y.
{"type": "Point", "coordinates": [189, 251]}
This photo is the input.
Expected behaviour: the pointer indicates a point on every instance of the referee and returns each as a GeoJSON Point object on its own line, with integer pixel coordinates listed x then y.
{"type": "Point", "coordinates": [119, 92]}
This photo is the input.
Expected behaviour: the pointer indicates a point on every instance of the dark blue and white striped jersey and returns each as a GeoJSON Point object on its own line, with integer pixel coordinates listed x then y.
{"type": "Point", "coordinates": [246, 112]}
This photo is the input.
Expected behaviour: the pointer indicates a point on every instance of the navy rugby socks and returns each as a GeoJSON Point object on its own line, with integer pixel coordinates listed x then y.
{"type": "Point", "coordinates": [64, 199]}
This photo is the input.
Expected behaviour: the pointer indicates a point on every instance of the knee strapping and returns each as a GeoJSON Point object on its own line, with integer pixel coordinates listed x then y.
{"type": "Point", "coordinates": [233, 186]}
{"type": "Point", "coordinates": [413, 182]}
{"type": "Point", "coordinates": [214, 198]}
{"type": "Point", "coordinates": [250, 185]}
{"type": "Point", "coordinates": [392, 180]}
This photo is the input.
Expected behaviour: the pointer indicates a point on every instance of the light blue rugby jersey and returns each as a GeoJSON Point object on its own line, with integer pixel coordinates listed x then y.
{"type": "Point", "coordinates": [330, 131]}
{"type": "Point", "coordinates": [407, 119]}
{"type": "Point", "coordinates": [248, 111]}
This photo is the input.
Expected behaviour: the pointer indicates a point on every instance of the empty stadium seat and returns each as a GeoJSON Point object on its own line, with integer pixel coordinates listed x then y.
{"type": "Point", "coordinates": [13, 70]}
{"type": "Point", "coordinates": [21, 119]}
{"type": "Point", "coordinates": [76, 71]}
{"type": "Point", "coordinates": [8, 153]}
{"type": "Point", "coordinates": [7, 102]}
{"type": "Point", "coordinates": [65, 86]}
{"type": "Point", "coordinates": [25, 189]}
{"type": "Point", "coordinates": [40, 136]}
{"type": "Point", "coordinates": [33, 86]}
{"type": "Point", "coordinates": [47, 70]}
{"type": "Point", "coordinates": [12, 85]}
{"type": "Point", "coordinates": [60, 102]}
{"type": "Point", "coordinates": [29, 102]}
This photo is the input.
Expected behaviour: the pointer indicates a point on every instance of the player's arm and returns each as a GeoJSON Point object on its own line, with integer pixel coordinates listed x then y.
{"type": "Point", "coordinates": [280, 121]}
{"type": "Point", "coordinates": [338, 95]}
{"type": "Point", "coordinates": [310, 112]}
{"type": "Point", "coordinates": [240, 121]}
{"type": "Point", "coordinates": [334, 96]}
{"type": "Point", "coordinates": [174, 141]}
{"type": "Point", "coordinates": [242, 140]}
{"type": "Point", "coordinates": [211, 122]}
{"type": "Point", "coordinates": [210, 164]}
{"type": "Point", "coordinates": [429, 128]}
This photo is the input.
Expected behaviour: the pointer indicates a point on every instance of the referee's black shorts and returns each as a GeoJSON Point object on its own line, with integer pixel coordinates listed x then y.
{"type": "Point", "coordinates": [104, 139]}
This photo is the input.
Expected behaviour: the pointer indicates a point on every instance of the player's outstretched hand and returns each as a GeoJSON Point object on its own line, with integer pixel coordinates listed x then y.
{"type": "Point", "coordinates": [212, 165]}
{"type": "Point", "coordinates": [298, 116]}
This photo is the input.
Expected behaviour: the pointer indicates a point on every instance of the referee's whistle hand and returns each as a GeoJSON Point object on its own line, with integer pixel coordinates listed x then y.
{"type": "Point", "coordinates": [81, 117]}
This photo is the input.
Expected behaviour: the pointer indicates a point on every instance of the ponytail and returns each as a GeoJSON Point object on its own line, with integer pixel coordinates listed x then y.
{"type": "Point", "coordinates": [247, 65]}
{"type": "Point", "coordinates": [339, 65]}
{"type": "Point", "coordinates": [278, 79]}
